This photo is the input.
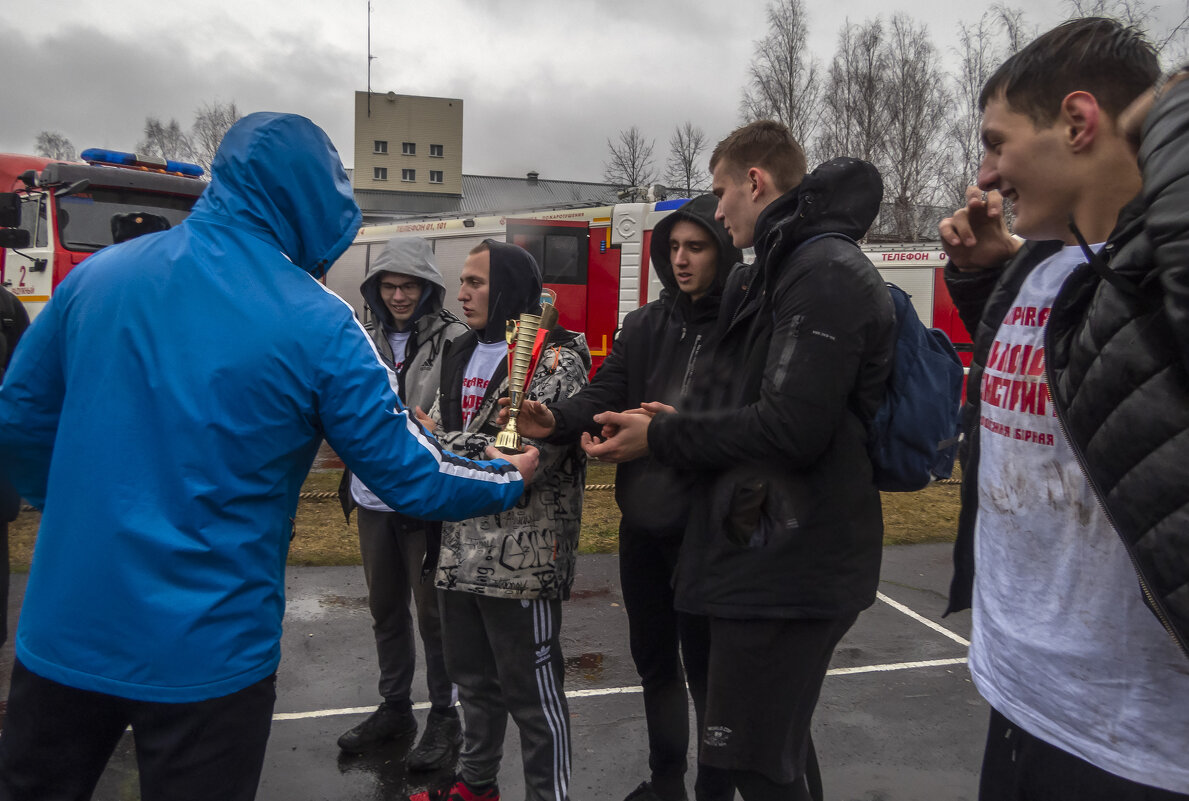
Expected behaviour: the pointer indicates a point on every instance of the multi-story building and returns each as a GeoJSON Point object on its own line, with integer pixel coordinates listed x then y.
{"type": "Point", "coordinates": [408, 161]}
{"type": "Point", "coordinates": [405, 143]}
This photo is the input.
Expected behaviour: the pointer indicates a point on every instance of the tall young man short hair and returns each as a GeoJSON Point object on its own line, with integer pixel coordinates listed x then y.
{"type": "Point", "coordinates": [783, 542]}
{"type": "Point", "coordinates": [502, 578]}
{"type": "Point", "coordinates": [1076, 467]}
{"type": "Point", "coordinates": [657, 355]}
{"type": "Point", "coordinates": [404, 291]}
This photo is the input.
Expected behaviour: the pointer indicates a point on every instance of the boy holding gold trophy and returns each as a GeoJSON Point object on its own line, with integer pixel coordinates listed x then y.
{"type": "Point", "coordinates": [502, 578]}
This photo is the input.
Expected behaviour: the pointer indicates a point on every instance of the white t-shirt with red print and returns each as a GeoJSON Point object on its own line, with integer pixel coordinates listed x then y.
{"type": "Point", "coordinates": [475, 379]}
{"type": "Point", "coordinates": [1063, 644]}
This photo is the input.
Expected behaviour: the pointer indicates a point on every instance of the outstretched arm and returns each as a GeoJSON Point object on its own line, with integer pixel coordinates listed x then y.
{"type": "Point", "coordinates": [379, 439]}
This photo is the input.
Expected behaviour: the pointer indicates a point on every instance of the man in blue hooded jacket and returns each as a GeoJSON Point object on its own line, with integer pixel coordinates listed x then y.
{"type": "Point", "coordinates": [163, 410]}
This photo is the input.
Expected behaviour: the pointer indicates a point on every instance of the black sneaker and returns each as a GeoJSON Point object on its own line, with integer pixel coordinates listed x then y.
{"type": "Point", "coordinates": [388, 722]}
{"type": "Point", "coordinates": [439, 744]}
{"type": "Point", "coordinates": [646, 792]}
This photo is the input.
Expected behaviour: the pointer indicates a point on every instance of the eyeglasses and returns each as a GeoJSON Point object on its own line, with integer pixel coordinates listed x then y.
{"type": "Point", "coordinates": [407, 288]}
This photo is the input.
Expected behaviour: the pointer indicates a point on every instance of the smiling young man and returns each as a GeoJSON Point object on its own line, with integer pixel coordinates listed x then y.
{"type": "Point", "coordinates": [783, 540]}
{"type": "Point", "coordinates": [657, 353]}
{"type": "Point", "coordinates": [1075, 468]}
{"type": "Point", "coordinates": [409, 328]}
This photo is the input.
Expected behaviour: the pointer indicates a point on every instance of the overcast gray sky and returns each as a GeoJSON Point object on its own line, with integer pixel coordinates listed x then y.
{"type": "Point", "coordinates": [545, 82]}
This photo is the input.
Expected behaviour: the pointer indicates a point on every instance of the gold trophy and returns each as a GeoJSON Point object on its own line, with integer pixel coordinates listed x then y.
{"type": "Point", "coordinates": [526, 340]}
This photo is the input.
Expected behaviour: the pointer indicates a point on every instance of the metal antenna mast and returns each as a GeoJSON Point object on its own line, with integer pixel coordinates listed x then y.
{"type": "Point", "coordinates": [370, 58]}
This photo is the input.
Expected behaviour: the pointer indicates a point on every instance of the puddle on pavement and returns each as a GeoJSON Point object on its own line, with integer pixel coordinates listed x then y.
{"type": "Point", "coordinates": [386, 768]}
{"type": "Point", "coordinates": [595, 593]}
{"type": "Point", "coordinates": [585, 666]}
{"type": "Point", "coordinates": [315, 607]}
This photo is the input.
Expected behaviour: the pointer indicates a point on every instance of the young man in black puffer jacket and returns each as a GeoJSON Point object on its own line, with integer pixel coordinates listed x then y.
{"type": "Point", "coordinates": [1076, 463]}
{"type": "Point", "coordinates": [783, 542]}
{"type": "Point", "coordinates": [656, 356]}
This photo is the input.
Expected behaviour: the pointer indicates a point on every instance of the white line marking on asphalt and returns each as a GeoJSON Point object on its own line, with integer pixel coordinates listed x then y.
{"type": "Point", "coordinates": [603, 691]}
{"type": "Point", "coordinates": [939, 629]}
{"type": "Point", "coordinates": [898, 666]}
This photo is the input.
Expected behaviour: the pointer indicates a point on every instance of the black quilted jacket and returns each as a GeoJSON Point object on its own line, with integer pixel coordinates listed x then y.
{"type": "Point", "coordinates": [1117, 354]}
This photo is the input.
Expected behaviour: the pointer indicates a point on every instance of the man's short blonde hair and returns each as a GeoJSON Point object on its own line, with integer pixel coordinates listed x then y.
{"type": "Point", "coordinates": [766, 144]}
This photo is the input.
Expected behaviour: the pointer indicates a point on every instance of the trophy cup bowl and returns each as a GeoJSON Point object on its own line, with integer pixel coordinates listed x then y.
{"type": "Point", "coordinates": [522, 360]}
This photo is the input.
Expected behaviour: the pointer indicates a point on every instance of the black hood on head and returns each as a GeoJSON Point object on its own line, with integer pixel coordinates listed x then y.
{"type": "Point", "coordinates": [514, 288]}
{"type": "Point", "coordinates": [840, 196]}
{"type": "Point", "coordinates": [700, 210]}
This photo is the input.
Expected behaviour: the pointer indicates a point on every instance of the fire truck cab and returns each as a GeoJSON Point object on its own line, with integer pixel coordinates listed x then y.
{"type": "Point", "coordinates": [54, 214]}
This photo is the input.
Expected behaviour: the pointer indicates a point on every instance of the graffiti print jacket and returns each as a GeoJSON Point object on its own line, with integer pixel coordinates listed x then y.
{"type": "Point", "coordinates": [528, 551]}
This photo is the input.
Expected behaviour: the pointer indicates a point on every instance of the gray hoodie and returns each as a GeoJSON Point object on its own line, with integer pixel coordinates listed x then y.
{"type": "Point", "coordinates": [432, 327]}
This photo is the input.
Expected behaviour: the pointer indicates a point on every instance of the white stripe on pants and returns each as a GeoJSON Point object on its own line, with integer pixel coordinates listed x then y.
{"type": "Point", "coordinates": [505, 656]}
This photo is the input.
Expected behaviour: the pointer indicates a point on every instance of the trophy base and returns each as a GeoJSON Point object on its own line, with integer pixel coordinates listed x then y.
{"type": "Point", "coordinates": [508, 442]}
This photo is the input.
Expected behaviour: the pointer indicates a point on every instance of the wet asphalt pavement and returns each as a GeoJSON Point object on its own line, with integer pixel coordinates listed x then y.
{"type": "Point", "coordinates": [898, 720]}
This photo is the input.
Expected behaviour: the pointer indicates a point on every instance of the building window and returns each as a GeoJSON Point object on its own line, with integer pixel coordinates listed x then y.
{"type": "Point", "coordinates": [381, 147]}
{"type": "Point", "coordinates": [380, 173]}
{"type": "Point", "coordinates": [408, 175]}
{"type": "Point", "coordinates": [435, 176]}
{"type": "Point", "coordinates": [408, 148]}
{"type": "Point", "coordinates": [435, 151]}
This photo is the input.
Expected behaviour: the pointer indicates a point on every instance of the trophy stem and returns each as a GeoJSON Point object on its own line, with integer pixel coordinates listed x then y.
{"type": "Point", "coordinates": [522, 337]}
{"type": "Point", "coordinates": [508, 440]}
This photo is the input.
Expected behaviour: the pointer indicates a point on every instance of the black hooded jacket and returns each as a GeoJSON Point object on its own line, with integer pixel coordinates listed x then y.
{"type": "Point", "coordinates": [785, 521]}
{"type": "Point", "coordinates": [656, 355]}
{"type": "Point", "coordinates": [514, 289]}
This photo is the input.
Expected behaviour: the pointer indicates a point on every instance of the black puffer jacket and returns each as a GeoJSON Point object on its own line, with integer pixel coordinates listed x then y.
{"type": "Point", "coordinates": [785, 521]}
{"type": "Point", "coordinates": [655, 357]}
{"type": "Point", "coordinates": [1117, 361]}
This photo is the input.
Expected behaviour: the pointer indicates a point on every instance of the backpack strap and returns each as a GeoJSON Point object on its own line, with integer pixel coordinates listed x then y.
{"type": "Point", "coordinates": [828, 234]}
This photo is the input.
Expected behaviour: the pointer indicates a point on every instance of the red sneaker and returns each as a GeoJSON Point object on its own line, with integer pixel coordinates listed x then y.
{"type": "Point", "coordinates": [461, 791]}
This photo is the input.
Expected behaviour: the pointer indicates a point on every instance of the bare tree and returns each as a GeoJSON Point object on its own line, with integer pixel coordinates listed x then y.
{"type": "Point", "coordinates": [685, 171]}
{"type": "Point", "coordinates": [1172, 43]}
{"type": "Point", "coordinates": [211, 122]}
{"type": "Point", "coordinates": [53, 145]}
{"type": "Point", "coordinates": [629, 162]}
{"type": "Point", "coordinates": [977, 58]}
{"type": "Point", "coordinates": [982, 47]}
{"type": "Point", "coordinates": [915, 99]}
{"type": "Point", "coordinates": [784, 80]}
{"type": "Point", "coordinates": [166, 140]}
{"type": "Point", "coordinates": [1015, 32]}
{"type": "Point", "coordinates": [853, 115]}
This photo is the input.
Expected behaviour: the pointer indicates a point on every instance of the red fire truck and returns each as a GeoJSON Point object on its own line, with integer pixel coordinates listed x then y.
{"type": "Point", "coordinates": [596, 260]}
{"type": "Point", "coordinates": [53, 214]}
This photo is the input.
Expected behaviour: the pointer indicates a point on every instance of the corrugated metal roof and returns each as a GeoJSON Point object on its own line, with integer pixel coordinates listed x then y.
{"type": "Point", "coordinates": [486, 194]}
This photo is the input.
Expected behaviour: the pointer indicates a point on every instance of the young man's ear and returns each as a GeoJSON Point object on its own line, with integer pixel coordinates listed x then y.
{"type": "Point", "coordinates": [1081, 118]}
{"type": "Point", "coordinates": [758, 182]}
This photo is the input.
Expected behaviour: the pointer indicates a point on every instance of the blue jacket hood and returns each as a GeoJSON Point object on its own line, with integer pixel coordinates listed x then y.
{"type": "Point", "coordinates": [279, 176]}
